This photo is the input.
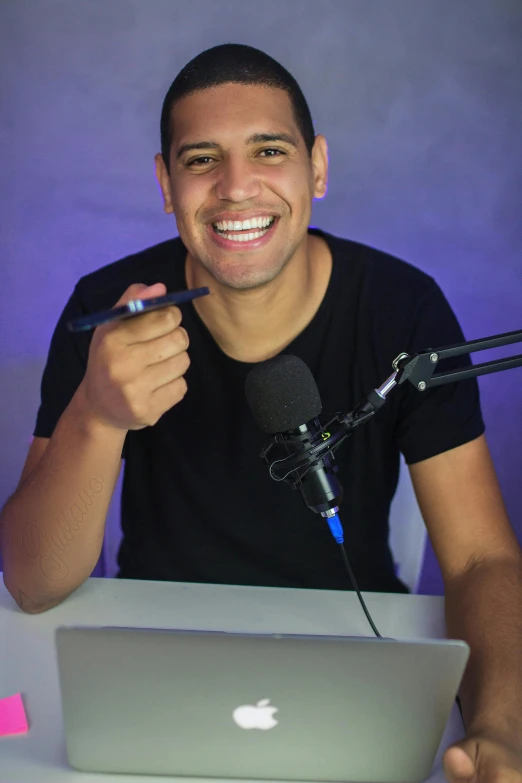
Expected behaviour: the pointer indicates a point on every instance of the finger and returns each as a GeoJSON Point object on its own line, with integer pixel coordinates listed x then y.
{"type": "Point", "coordinates": [161, 348]}
{"type": "Point", "coordinates": [167, 396]}
{"type": "Point", "coordinates": [149, 326]}
{"type": "Point", "coordinates": [141, 291]}
{"type": "Point", "coordinates": [122, 328]}
{"type": "Point", "coordinates": [459, 766]}
{"type": "Point", "coordinates": [158, 375]}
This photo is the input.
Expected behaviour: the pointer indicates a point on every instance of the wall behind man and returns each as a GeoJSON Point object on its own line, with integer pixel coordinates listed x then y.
{"type": "Point", "coordinates": [421, 104]}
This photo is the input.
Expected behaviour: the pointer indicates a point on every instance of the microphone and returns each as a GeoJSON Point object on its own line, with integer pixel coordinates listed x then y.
{"type": "Point", "coordinates": [284, 400]}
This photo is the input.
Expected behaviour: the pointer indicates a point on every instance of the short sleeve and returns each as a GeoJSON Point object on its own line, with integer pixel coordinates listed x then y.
{"type": "Point", "coordinates": [442, 417]}
{"type": "Point", "coordinates": [64, 369]}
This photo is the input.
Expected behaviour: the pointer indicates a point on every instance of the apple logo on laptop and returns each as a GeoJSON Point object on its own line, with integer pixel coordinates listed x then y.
{"type": "Point", "coordinates": [256, 716]}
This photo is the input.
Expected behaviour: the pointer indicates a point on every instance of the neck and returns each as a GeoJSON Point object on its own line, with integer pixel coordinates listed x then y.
{"type": "Point", "coordinates": [256, 324]}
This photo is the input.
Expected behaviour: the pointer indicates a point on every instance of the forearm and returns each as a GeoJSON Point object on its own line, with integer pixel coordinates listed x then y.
{"type": "Point", "coordinates": [484, 607]}
{"type": "Point", "coordinates": [52, 526]}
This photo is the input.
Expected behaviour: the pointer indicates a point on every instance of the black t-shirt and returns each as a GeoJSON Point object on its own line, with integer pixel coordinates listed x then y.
{"type": "Point", "coordinates": [198, 504]}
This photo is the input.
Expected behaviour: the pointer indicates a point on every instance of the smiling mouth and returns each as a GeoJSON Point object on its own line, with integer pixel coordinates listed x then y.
{"type": "Point", "coordinates": [243, 230]}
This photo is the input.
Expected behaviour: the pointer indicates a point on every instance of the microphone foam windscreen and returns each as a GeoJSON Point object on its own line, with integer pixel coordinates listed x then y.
{"type": "Point", "coordinates": [282, 394]}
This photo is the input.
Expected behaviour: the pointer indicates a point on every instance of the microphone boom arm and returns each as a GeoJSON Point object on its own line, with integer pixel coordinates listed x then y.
{"type": "Point", "coordinates": [421, 366]}
{"type": "Point", "coordinates": [418, 369]}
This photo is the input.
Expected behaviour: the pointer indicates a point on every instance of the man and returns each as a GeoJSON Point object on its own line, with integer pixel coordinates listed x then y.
{"type": "Point", "coordinates": [239, 169]}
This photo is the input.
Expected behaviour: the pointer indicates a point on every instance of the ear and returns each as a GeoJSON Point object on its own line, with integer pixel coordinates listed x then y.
{"type": "Point", "coordinates": [320, 166]}
{"type": "Point", "coordinates": [162, 175]}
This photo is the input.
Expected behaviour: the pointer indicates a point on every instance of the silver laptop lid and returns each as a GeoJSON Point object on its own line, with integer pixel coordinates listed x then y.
{"type": "Point", "coordinates": [281, 707]}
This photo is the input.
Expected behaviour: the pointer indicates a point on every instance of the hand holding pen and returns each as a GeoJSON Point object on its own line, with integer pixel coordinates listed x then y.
{"type": "Point", "coordinates": [136, 365]}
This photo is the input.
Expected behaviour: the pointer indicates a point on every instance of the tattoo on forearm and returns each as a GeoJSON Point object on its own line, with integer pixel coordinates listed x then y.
{"type": "Point", "coordinates": [46, 549]}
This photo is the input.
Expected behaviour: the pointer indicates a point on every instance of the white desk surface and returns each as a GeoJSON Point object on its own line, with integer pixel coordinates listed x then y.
{"type": "Point", "coordinates": [28, 659]}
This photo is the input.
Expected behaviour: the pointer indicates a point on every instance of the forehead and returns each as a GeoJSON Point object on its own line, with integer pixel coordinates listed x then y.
{"type": "Point", "coordinates": [231, 111]}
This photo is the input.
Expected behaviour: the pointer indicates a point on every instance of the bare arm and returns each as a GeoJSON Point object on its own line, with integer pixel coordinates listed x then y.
{"type": "Point", "coordinates": [481, 563]}
{"type": "Point", "coordinates": [51, 528]}
{"type": "Point", "coordinates": [53, 524]}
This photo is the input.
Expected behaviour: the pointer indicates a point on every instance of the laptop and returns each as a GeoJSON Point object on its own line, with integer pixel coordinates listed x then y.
{"type": "Point", "coordinates": [269, 707]}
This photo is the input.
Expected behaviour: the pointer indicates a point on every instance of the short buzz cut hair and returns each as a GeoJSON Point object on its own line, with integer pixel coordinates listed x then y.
{"type": "Point", "coordinates": [236, 64]}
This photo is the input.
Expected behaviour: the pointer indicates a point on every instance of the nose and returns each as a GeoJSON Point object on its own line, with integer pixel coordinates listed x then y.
{"type": "Point", "coordinates": [237, 180]}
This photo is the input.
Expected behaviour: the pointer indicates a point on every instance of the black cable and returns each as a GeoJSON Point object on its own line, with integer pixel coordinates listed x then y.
{"type": "Point", "coordinates": [356, 588]}
{"type": "Point", "coordinates": [367, 613]}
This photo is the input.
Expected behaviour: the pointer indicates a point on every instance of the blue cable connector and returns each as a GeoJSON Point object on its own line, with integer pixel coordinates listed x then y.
{"type": "Point", "coordinates": [336, 528]}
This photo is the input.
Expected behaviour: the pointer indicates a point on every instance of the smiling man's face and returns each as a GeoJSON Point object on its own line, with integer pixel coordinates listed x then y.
{"type": "Point", "coordinates": [241, 182]}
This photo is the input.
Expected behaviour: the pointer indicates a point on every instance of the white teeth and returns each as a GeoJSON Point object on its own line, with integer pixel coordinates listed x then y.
{"type": "Point", "coordinates": [243, 225]}
{"type": "Point", "coordinates": [245, 237]}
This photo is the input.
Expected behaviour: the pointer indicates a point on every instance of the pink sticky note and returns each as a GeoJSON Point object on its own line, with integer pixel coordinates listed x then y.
{"type": "Point", "coordinates": [13, 719]}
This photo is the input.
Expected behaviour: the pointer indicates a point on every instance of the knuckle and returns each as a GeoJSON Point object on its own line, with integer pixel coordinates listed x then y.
{"type": "Point", "coordinates": [119, 370]}
{"type": "Point", "coordinates": [101, 344]}
{"type": "Point", "coordinates": [136, 405]}
{"type": "Point", "coordinates": [181, 388]}
{"type": "Point", "coordinates": [172, 316]}
{"type": "Point", "coordinates": [180, 338]}
{"type": "Point", "coordinates": [153, 419]}
{"type": "Point", "coordinates": [185, 361]}
{"type": "Point", "coordinates": [185, 334]}
{"type": "Point", "coordinates": [113, 373]}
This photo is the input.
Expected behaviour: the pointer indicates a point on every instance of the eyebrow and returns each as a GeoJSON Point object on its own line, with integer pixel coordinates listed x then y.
{"type": "Point", "coordinates": [256, 138]}
{"type": "Point", "coordinates": [260, 137]}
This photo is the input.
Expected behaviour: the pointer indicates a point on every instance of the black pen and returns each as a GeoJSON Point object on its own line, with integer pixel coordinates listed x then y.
{"type": "Point", "coordinates": [133, 308]}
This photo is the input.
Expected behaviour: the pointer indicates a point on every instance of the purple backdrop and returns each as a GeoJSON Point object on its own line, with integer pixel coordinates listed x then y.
{"type": "Point", "coordinates": [422, 107]}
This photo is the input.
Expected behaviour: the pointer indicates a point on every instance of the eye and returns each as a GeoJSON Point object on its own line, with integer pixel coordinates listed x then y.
{"type": "Point", "coordinates": [272, 152]}
{"type": "Point", "coordinates": [203, 160]}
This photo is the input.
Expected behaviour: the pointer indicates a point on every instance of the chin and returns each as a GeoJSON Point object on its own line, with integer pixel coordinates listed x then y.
{"type": "Point", "coordinates": [246, 279]}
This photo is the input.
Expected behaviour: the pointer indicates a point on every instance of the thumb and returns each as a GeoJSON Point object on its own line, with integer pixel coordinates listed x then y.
{"type": "Point", "coordinates": [141, 291]}
{"type": "Point", "coordinates": [459, 761]}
